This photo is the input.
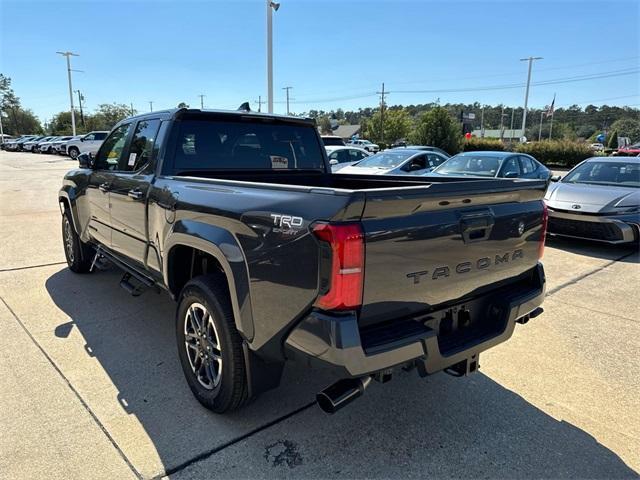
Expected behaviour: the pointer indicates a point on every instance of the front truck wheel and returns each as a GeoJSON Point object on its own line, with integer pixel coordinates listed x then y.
{"type": "Point", "coordinates": [77, 253]}
{"type": "Point", "coordinates": [209, 346]}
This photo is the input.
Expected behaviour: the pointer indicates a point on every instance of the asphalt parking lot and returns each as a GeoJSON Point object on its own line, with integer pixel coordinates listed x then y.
{"type": "Point", "coordinates": [91, 387]}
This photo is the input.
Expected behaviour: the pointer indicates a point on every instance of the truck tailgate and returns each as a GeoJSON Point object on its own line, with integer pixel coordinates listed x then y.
{"type": "Point", "coordinates": [428, 246]}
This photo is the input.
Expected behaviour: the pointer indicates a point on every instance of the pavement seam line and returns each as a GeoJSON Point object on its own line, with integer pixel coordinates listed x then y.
{"type": "Point", "coordinates": [206, 454]}
{"type": "Point", "coordinates": [15, 269]}
{"type": "Point", "coordinates": [598, 311]}
{"type": "Point", "coordinates": [75, 392]}
{"type": "Point", "coordinates": [588, 274]}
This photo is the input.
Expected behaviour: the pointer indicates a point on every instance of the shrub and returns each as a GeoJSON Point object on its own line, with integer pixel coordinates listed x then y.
{"type": "Point", "coordinates": [556, 152]}
{"type": "Point", "coordinates": [612, 139]}
{"type": "Point", "coordinates": [475, 144]}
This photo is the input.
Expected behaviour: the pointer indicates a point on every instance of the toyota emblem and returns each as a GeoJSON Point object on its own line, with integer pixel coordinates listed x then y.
{"type": "Point", "coordinates": [576, 206]}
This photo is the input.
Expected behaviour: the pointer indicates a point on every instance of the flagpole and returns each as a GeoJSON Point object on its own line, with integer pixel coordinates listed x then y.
{"type": "Point", "coordinates": [553, 111]}
{"type": "Point", "coordinates": [540, 129]}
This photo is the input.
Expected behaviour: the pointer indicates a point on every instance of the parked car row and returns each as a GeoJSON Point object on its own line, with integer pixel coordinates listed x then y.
{"type": "Point", "coordinates": [599, 199]}
{"type": "Point", "coordinates": [62, 145]}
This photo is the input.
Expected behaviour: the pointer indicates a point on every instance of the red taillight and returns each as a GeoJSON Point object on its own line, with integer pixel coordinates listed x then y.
{"type": "Point", "coordinates": [543, 232]}
{"type": "Point", "coordinates": [347, 265]}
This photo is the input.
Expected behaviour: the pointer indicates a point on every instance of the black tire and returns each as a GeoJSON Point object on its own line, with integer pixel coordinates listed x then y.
{"type": "Point", "coordinates": [73, 153]}
{"type": "Point", "coordinates": [230, 392]}
{"type": "Point", "coordinates": [78, 254]}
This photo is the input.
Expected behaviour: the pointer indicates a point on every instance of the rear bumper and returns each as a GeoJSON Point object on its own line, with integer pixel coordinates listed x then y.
{"type": "Point", "coordinates": [338, 342]}
{"type": "Point", "coordinates": [614, 229]}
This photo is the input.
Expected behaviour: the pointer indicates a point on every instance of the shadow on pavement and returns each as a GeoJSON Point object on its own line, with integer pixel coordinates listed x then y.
{"type": "Point", "coordinates": [594, 249]}
{"type": "Point", "coordinates": [468, 427]}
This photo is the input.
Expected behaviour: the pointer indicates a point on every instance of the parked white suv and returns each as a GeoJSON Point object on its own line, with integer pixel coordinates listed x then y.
{"type": "Point", "coordinates": [364, 144]}
{"type": "Point", "coordinates": [88, 143]}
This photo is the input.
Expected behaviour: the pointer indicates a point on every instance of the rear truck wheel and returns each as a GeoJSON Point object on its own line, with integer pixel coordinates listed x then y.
{"type": "Point", "coordinates": [78, 253]}
{"type": "Point", "coordinates": [73, 153]}
{"type": "Point", "coordinates": [209, 346]}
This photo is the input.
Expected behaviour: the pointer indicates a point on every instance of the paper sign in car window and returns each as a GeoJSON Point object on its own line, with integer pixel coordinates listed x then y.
{"type": "Point", "coordinates": [279, 162]}
{"type": "Point", "coordinates": [132, 159]}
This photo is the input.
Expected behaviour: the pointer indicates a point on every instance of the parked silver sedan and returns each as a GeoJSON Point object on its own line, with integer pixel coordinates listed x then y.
{"type": "Point", "coordinates": [598, 200]}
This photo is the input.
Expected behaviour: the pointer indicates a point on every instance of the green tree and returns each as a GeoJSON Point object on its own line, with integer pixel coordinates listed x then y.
{"type": "Point", "coordinates": [438, 128]}
{"type": "Point", "coordinates": [397, 125]}
{"type": "Point", "coordinates": [60, 124]}
{"type": "Point", "coordinates": [612, 139]}
{"type": "Point", "coordinates": [627, 127]}
{"type": "Point", "coordinates": [325, 125]}
{"type": "Point", "coordinates": [182, 105]}
{"type": "Point", "coordinates": [107, 115]}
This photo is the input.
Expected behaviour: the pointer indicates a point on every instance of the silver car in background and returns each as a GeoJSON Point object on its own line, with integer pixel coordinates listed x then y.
{"type": "Point", "coordinates": [598, 200]}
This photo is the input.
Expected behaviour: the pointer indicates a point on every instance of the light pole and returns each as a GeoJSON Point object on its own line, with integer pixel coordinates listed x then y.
{"type": "Point", "coordinates": [275, 6]}
{"type": "Point", "coordinates": [73, 117]}
{"type": "Point", "coordinates": [151, 105]}
{"type": "Point", "coordinates": [526, 93]}
{"type": "Point", "coordinates": [202, 101]}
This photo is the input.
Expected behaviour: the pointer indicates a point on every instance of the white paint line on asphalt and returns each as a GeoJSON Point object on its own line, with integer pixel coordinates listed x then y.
{"type": "Point", "coordinates": [75, 392]}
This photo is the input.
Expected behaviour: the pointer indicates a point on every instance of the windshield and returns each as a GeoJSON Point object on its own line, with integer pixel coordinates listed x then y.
{"type": "Point", "coordinates": [606, 173]}
{"type": "Point", "coordinates": [385, 160]}
{"type": "Point", "coordinates": [481, 165]}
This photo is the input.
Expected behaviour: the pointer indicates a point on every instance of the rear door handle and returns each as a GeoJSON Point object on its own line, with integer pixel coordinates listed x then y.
{"type": "Point", "coordinates": [136, 194]}
{"type": "Point", "coordinates": [105, 187]}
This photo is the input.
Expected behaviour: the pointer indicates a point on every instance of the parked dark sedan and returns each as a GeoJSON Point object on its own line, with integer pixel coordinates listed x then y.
{"type": "Point", "coordinates": [493, 164]}
{"type": "Point", "coordinates": [424, 148]}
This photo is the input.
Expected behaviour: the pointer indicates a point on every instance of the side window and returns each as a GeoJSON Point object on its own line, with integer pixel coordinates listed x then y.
{"type": "Point", "coordinates": [354, 156]}
{"type": "Point", "coordinates": [333, 156]}
{"type": "Point", "coordinates": [88, 138]}
{"type": "Point", "coordinates": [434, 160]}
{"type": "Point", "coordinates": [141, 146]}
{"type": "Point", "coordinates": [527, 165]}
{"type": "Point", "coordinates": [100, 136]}
{"type": "Point", "coordinates": [111, 151]}
{"type": "Point", "coordinates": [511, 165]}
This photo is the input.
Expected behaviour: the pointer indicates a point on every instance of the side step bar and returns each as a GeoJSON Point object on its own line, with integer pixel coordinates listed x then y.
{"type": "Point", "coordinates": [129, 274]}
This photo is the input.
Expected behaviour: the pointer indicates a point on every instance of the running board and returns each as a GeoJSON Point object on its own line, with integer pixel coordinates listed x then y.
{"type": "Point", "coordinates": [132, 281]}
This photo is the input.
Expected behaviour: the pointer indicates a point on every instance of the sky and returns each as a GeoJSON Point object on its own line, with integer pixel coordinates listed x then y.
{"type": "Point", "coordinates": [335, 54]}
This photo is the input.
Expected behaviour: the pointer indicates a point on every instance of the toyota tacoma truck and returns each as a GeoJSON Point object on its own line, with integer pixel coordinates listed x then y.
{"type": "Point", "coordinates": [271, 257]}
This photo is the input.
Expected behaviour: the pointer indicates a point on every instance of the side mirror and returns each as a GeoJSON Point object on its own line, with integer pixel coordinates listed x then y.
{"type": "Point", "coordinates": [555, 178]}
{"type": "Point", "coordinates": [511, 175]}
{"type": "Point", "coordinates": [85, 160]}
{"type": "Point", "coordinates": [333, 162]}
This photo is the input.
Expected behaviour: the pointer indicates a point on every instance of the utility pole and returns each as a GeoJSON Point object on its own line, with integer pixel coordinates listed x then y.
{"type": "Point", "coordinates": [502, 123]}
{"type": "Point", "coordinates": [151, 105]}
{"type": "Point", "coordinates": [382, 93]}
{"type": "Point", "coordinates": [259, 102]}
{"type": "Point", "coordinates": [540, 129]}
{"type": "Point", "coordinates": [73, 117]}
{"type": "Point", "coordinates": [553, 110]}
{"type": "Point", "coordinates": [287, 89]}
{"type": "Point", "coordinates": [80, 98]}
{"type": "Point", "coordinates": [482, 122]}
{"type": "Point", "coordinates": [526, 93]}
{"type": "Point", "coordinates": [202, 101]}
{"type": "Point", "coordinates": [132, 110]}
{"type": "Point", "coordinates": [513, 111]}
{"type": "Point", "coordinates": [275, 6]}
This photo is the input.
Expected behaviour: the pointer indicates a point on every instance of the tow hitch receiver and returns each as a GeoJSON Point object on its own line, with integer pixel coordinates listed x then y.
{"type": "Point", "coordinates": [465, 367]}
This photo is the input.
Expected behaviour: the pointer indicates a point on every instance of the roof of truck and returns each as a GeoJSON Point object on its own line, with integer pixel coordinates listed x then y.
{"type": "Point", "coordinates": [176, 113]}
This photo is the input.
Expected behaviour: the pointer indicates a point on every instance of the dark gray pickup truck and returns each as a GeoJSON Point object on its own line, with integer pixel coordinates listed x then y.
{"type": "Point", "coordinates": [272, 257]}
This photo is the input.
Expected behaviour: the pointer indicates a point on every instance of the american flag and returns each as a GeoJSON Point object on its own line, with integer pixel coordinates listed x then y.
{"type": "Point", "coordinates": [550, 109]}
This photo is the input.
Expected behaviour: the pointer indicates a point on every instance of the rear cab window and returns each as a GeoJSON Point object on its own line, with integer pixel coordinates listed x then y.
{"type": "Point", "coordinates": [245, 144]}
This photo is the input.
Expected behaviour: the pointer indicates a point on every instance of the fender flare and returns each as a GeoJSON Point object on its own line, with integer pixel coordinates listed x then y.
{"type": "Point", "coordinates": [221, 245]}
{"type": "Point", "coordinates": [66, 199]}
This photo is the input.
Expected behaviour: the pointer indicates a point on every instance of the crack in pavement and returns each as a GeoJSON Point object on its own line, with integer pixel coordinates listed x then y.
{"type": "Point", "coordinates": [15, 269]}
{"type": "Point", "coordinates": [75, 392]}
{"type": "Point", "coordinates": [575, 280]}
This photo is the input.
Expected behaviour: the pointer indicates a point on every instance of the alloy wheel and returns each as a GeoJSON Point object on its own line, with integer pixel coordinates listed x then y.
{"type": "Point", "coordinates": [203, 347]}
